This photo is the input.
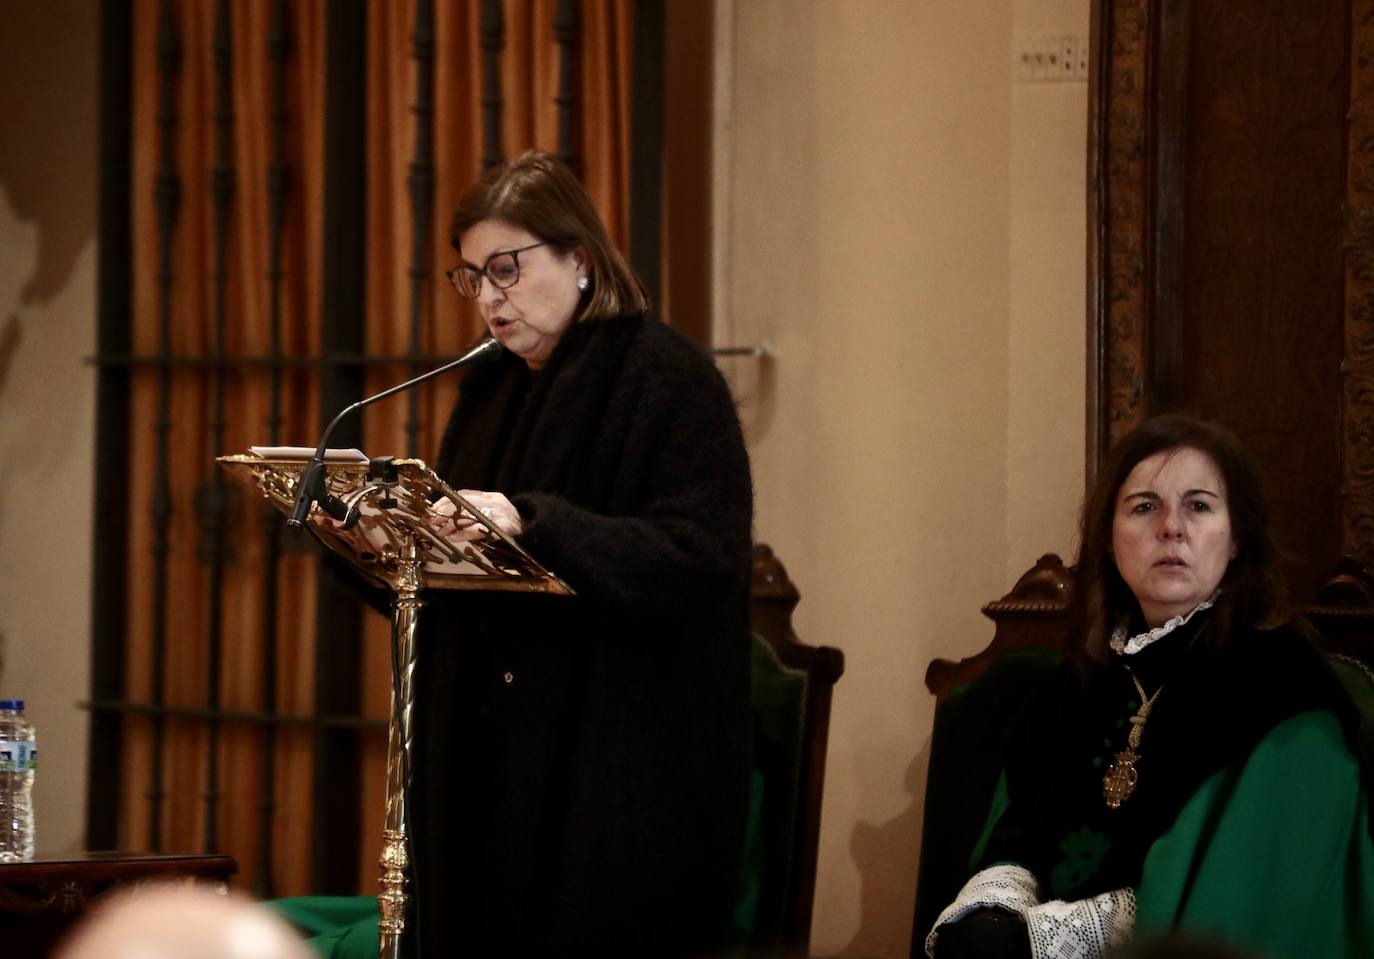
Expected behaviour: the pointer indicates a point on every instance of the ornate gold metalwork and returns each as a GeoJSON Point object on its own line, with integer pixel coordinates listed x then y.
{"type": "Point", "coordinates": [1121, 777]}
{"type": "Point", "coordinates": [394, 544]}
{"type": "Point", "coordinates": [395, 860]}
{"type": "Point", "coordinates": [375, 543]}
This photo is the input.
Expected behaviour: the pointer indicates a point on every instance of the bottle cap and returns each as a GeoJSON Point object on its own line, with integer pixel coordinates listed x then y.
{"type": "Point", "coordinates": [11, 704]}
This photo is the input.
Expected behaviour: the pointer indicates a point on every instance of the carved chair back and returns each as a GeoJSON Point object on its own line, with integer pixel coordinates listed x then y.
{"type": "Point", "coordinates": [783, 928]}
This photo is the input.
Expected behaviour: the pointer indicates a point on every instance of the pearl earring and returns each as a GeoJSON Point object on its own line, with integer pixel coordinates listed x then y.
{"type": "Point", "coordinates": [582, 283]}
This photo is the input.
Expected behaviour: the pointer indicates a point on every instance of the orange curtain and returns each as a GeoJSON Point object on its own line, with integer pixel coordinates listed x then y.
{"type": "Point", "coordinates": [529, 71]}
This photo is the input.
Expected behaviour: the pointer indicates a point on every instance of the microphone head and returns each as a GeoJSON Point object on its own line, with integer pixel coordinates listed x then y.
{"type": "Point", "coordinates": [488, 349]}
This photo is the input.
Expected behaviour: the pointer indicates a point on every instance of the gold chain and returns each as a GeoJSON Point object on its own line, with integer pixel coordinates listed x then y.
{"type": "Point", "coordinates": [1122, 776]}
{"type": "Point", "coordinates": [1142, 714]}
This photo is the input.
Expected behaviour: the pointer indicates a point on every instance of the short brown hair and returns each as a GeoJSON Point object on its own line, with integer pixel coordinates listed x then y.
{"type": "Point", "coordinates": [537, 192]}
{"type": "Point", "coordinates": [1253, 594]}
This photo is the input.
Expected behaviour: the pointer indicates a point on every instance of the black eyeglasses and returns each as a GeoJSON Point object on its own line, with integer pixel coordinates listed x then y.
{"type": "Point", "coordinates": [502, 269]}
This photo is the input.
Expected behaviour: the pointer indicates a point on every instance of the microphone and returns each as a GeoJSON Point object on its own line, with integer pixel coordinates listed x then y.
{"type": "Point", "coordinates": [312, 489]}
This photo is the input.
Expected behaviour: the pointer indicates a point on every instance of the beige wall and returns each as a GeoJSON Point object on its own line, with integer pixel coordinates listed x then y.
{"type": "Point", "coordinates": [904, 222]}
{"type": "Point", "coordinates": [48, 186]}
{"type": "Point", "coordinates": [1047, 282]}
{"type": "Point", "coordinates": [900, 217]}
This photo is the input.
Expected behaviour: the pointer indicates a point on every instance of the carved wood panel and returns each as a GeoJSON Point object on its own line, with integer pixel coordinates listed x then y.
{"type": "Point", "coordinates": [1358, 438]}
{"type": "Point", "coordinates": [1234, 220]}
{"type": "Point", "coordinates": [1120, 83]}
{"type": "Point", "coordinates": [1260, 313]}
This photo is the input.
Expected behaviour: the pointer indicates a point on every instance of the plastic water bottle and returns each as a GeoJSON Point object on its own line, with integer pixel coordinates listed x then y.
{"type": "Point", "coordinates": [18, 760]}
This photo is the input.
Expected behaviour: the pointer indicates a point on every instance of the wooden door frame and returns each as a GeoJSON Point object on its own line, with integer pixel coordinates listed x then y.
{"type": "Point", "coordinates": [1136, 97]}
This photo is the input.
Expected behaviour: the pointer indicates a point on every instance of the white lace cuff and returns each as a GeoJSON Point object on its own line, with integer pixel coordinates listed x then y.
{"type": "Point", "coordinates": [1084, 929]}
{"type": "Point", "coordinates": [1012, 888]}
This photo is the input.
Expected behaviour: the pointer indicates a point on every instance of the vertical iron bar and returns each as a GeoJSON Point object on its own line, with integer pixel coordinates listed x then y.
{"type": "Point", "coordinates": [646, 146]}
{"type": "Point", "coordinates": [213, 507]}
{"type": "Point", "coordinates": [108, 600]}
{"type": "Point", "coordinates": [168, 197]}
{"type": "Point", "coordinates": [492, 30]}
{"type": "Point", "coordinates": [421, 183]}
{"type": "Point", "coordinates": [278, 49]}
{"type": "Point", "coordinates": [565, 29]}
{"type": "Point", "coordinates": [338, 615]}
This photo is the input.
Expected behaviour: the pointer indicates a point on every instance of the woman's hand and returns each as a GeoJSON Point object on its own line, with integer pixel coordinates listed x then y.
{"type": "Point", "coordinates": [458, 526]}
{"type": "Point", "coordinates": [985, 933]}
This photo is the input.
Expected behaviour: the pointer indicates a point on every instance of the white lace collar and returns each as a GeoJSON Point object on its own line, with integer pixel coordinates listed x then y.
{"type": "Point", "coordinates": [1129, 647]}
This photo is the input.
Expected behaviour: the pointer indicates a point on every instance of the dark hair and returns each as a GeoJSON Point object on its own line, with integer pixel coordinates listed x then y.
{"type": "Point", "coordinates": [1253, 594]}
{"type": "Point", "coordinates": [538, 193]}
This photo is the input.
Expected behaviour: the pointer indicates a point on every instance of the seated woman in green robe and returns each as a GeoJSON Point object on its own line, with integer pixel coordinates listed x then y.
{"type": "Point", "coordinates": [1199, 768]}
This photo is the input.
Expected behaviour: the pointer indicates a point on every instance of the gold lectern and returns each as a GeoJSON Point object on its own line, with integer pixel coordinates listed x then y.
{"type": "Point", "coordinates": [388, 538]}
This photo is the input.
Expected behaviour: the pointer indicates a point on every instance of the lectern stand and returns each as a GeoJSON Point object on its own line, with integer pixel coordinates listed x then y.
{"type": "Point", "coordinates": [388, 538]}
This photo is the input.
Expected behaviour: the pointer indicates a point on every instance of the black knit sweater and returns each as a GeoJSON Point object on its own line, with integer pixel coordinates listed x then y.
{"type": "Point", "coordinates": [582, 762]}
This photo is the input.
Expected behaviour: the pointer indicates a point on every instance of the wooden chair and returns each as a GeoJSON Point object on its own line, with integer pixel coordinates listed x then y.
{"type": "Point", "coordinates": [791, 748]}
{"type": "Point", "coordinates": [976, 701]}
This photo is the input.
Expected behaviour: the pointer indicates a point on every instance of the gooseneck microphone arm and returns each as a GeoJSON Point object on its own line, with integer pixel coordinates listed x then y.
{"type": "Point", "coordinates": [312, 489]}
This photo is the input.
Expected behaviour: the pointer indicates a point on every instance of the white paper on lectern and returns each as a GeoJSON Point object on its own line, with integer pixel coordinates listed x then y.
{"type": "Point", "coordinates": [349, 455]}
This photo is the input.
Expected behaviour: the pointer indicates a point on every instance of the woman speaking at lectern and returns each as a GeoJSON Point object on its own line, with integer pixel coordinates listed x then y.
{"type": "Point", "coordinates": [581, 764]}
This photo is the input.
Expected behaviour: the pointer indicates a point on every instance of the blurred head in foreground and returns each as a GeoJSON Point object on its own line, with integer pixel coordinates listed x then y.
{"type": "Point", "coordinates": [183, 922]}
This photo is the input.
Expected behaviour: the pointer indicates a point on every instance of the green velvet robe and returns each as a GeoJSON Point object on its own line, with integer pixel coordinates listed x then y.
{"type": "Point", "coordinates": [1251, 821]}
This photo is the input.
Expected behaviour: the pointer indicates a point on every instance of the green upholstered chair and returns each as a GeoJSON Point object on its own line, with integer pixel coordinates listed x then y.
{"type": "Point", "coordinates": [791, 691]}
{"type": "Point", "coordinates": [971, 722]}
{"type": "Point", "coordinates": [976, 701]}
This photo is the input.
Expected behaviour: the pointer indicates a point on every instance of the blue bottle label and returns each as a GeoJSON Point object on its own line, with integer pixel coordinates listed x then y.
{"type": "Point", "coordinates": [18, 755]}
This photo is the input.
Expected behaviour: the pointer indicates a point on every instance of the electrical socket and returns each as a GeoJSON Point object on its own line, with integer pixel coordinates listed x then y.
{"type": "Point", "coordinates": [1054, 59]}
{"type": "Point", "coordinates": [1068, 56]}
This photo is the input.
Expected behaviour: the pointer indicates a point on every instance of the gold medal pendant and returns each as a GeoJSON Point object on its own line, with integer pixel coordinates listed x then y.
{"type": "Point", "coordinates": [1120, 780]}
{"type": "Point", "coordinates": [1122, 775]}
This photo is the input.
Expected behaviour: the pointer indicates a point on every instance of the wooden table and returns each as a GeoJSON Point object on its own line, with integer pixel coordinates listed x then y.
{"type": "Point", "coordinates": [40, 900]}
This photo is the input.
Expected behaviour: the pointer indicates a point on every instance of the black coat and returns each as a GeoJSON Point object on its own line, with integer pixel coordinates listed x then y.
{"type": "Point", "coordinates": [582, 763]}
